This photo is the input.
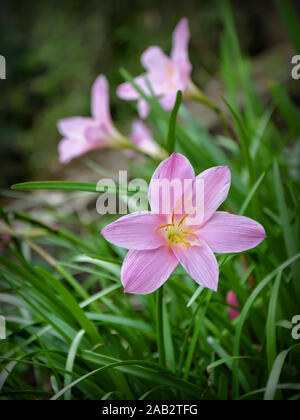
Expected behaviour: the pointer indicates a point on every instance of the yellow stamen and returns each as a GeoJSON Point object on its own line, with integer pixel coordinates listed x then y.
{"type": "Point", "coordinates": [185, 242]}
{"type": "Point", "coordinates": [175, 234]}
{"type": "Point", "coordinates": [190, 233]}
{"type": "Point", "coordinates": [164, 226]}
{"type": "Point", "coordinates": [185, 216]}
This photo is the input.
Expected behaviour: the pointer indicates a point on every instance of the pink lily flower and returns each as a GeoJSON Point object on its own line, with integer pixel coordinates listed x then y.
{"type": "Point", "coordinates": [82, 134]}
{"type": "Point", "coordinates": [166, 75]}
{"type": "Point", "coordinates": [232, 300]}
{"type": "Point", "coordinates": [157, 242]}
{"type": "Point", "coordinates": [142, 138]}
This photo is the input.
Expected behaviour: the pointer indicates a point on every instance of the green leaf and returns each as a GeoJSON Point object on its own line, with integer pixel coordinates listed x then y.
{"type": "Point", "coordinates": [252, 193]}
{"type": "Point", "coordinates": [244, 314]}
{"type": "Point", "coordinates": [276, 372]}
{"type": "Point", "coordinates": [291, 20]}
{"type": "Point", "coordinates": [57, 186]}
{"type": "Point", "coordinates": [72, 306]}
{"type": "Point", "coordinates": [171, 139]}
{"type": "Point", "coordinates": [70, 361]}
{"type": "Point", "coordinates": [271, 323]}
{"type": "Point", "coordinates": [288, 232]}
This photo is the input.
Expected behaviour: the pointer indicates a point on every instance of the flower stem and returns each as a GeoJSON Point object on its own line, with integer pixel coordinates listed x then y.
{"type": "Point", "coordinates": [160, 326]}
{"type": "Point", "coordinates": [197, 95]}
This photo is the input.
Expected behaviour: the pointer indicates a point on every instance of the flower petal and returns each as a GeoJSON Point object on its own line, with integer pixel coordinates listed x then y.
{"type": "Point", "coordinates": [158, 65]}
{"type": "Point", "coordinates": [97, 135]}
{"type": "Point", "coordinates": [216, 186]}
{"type": "Point", "coordinates": [73, 127]}
{"type": "Point", "coordinates": [140, 133]}
{"type": "Point", "coordinates": [145, 271]}
{"type": "Point", "coordinates": [225, 233]}
{"type": "Point", "coordinates": [232, 300]}
{"type": "Point", "coordinates": [179, 52]}
{"type": "Point", "coordinates": [176, 167]}
{"type": "Point", "coordinates": [141, 136]}
{"type": "Point", "coordinates": [100, 100]}
{"type": "Point", "coordinates": [200, 263]}
{"type": "Point", "coordinates": [135, 231]}
{"type": "Point", "coordinates": [69, 149]}
{"type": "Point", "coordinates": [168, 100]}
{"type": "Point", "coordinates": [143, 108]}
{"type": "Point", "coordinates": [128, 92]}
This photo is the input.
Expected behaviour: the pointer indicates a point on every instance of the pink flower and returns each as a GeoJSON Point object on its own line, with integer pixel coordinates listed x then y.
{"type": "Point", "coordinates": [166, 75]}
{"type": "Point", "coordinates": [232, 300]}
{"type": "Point", "coordinates": [141, 137]}
{"type": "Point", "coordinates": [4, 241]}
{"type": "Point", "coordinates": [158, 242]}
{"type": "Point", "coordinates": [82, 134]}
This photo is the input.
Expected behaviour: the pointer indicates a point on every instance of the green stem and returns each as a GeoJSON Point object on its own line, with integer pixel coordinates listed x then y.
{"type": "Point", "coordinates": [205, 300]}
{"type": "Point", "coordinates": [160, 326]}
{"type": "Point", "coordinates": [187, 335]}
{"type": "Point", "coordinates": [197, 95]}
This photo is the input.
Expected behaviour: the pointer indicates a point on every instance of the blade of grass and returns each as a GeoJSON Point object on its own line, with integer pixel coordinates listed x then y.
{"type": "Point", "coordinates": [271, 323]}
{"type": "Point", "coordinates": [70, 362]}
{"type": "Point", "coordinates": [244, 315]}
{"type": "Point", "coordinates": [290, 18]}
{"type": "Point", "coordinates": [288, 233]}
{"type": "Point", "coordinates": [160, 326]}
{"type": "Point", "coordinates": [276, 372]}
{"type": "Point", "coordinates": [251, 194]}
{"type": "Point", "coordinates": [72, 306]}
{"type": "Point", "coordinates": [206, 298]}
{"type": "Point", "coordinates": [56, 186]}
{"type": "Point", "coordinates": [171, 139]}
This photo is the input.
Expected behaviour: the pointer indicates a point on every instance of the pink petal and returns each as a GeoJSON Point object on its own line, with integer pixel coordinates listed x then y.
{"type": "Point", "coordinates": [4, 240]}
{"type": "Point", "coordinates": [69, 149]}
{"type": "Point", "coordinates": [216, 186]}
{"type": "Point", "coordinates": [158, 66]}
{"type": "Point", "coordinates": [176, 167]}
{"type": "Point", "coordinates": [168, 100]}
{"type": "Point", "coordinates": [128, 92]}
{"type": "Point", "coordinates": [136, 231]}
{"type": "Point", "coordinates": [232, 300]}
{"type": "Point", "coordinates": [139, 132]}
{"type": "Point", "coordinates": [179, 53]}
{"type": "Point", "coordinates": [200, 263]}
{"type": "Point", "coordinates": [225, 233]}
{"type": "Point", "coordinates": [97, 135]}
{"type": "Point", "coordinates": [143, 108]}
{"type": "Point", "coordinates": [141, 136]}
{"type": "Point", "coordinates": [145, 271]}
{"type": "Point", "coordinates": [73, 127]}
{"type": "Point", "coordinates": [100, 100]}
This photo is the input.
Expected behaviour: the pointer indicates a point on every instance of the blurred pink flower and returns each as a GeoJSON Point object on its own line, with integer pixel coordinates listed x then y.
{"type": "Point", "coordinates": [158, 242]}
{"type": "Point", "coordinates": [166, 75]}
{"type": "Point", "coordinates": [232, 300]}
{"type": "Point", "coordinates": [142, 138]}
{"type": "Point", "coordinates": [82, 134]}
{"type": "Point", "coordinates": [4, 241]}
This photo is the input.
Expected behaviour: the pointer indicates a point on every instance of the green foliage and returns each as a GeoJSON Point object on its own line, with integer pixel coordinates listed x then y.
{"type": "Point", "coordinates": [72, 333]}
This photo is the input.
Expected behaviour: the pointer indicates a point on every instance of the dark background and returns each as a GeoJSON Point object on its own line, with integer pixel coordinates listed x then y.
{"type": "Point", "coordinates": [54, 50]}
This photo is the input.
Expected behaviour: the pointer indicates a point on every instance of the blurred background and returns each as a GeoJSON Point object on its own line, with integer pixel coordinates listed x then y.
{"type": "Point", "coordinates": [54, 50]}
